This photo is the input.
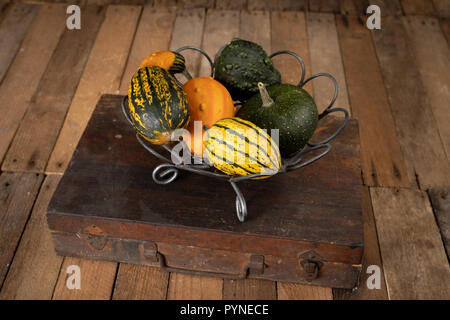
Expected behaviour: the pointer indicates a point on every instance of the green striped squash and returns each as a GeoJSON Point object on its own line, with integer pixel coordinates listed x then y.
{"type": "Point", "coordinates": [156, 104]}
{"type": "Point", "coordinates": [239, 148]}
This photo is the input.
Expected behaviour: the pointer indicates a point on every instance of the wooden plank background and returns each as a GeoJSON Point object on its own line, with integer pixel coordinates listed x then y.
{"type": "Point", "coordinates": [395, 81]}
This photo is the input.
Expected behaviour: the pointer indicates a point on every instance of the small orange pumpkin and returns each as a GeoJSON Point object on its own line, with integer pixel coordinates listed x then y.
{"type": "Point", "coordinates": [171, 61]}
{"type": "Point", "coordinates": [208, 101]}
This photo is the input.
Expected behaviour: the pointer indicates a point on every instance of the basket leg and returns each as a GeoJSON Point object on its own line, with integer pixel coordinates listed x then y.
{"type": "Point", "coordinates": [241, 204]}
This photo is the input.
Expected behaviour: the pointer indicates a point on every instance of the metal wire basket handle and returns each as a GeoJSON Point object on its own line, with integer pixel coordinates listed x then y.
{"type": "Point", "coordinates": [168, 171]}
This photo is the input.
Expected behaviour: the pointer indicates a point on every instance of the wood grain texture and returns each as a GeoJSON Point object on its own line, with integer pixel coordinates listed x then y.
{"type": "Point", "coordinates": [255, 26]}
{"type": "Point", "coordinates": [35, 268]}
{"type": "Point", "coordinates": [165, 4]}
{"type": "Point", "coordinates": [324, 6]}
{"type": "Point", "coordinates": [155, 22]}
{"type": "Point", "coordinates": [371, 257]}
{"type": "Point", "coordinates": [221, 26]}
{"type": "Point", "coordinates": [140, 283]}
{"type": "Point", "coordinates": [353, 7]}
{"type": "Point", "coordinates": [326, 57]}
{"type": "Point", "coordinates": [191, 4]}
{"type": "Point", "coordinates": [25, 72]}
{"type": "Point", "coordinates": [261, 5]}
{"type": "Point", "coordinates": [5, 6]}
{"type": "Point", "coordinates": [187, 287]}
{"type": "Point", "coordinates": [445, 27]}
{"type": "Point", "coordinates": [289, 33]}
{"type": "Point", "coordinates": [382, 165]}
{"type": "Point", "coordinates": [417, 7]}
{"type": "Point", "coordinates": [102, 73]}
{"type": "Point", "coordinates": [442, 8]}
{"type": "Point", "coordinates": [416, 126]}
{"type": "Point", "coordinates": [188, 31]}
{"type": "Point", "coordinates": [292, 291]}
{"type": "Point", "coordinates": [424, 33]}
{"type": "Point", "coordinates": [12, 31]}
{"type": "Point", "coordinates": [440, 200]}
{"type": "Point", "coordinates": [294, 5]}
{"type": "Point", "coordinates": [249, 289]}
{"type": "Point", "coordinates": [231, 4]}
{"type": "Point", "coordinates": [96, 278]}
{"type": "Point", "coordinates": [414, 260]}
{"type": "Point", "coordinates": [388, 7]}
{"type": "Point", "coordinates": [38, 130]}
{"type": "Point", "coordinates": [17, 194]}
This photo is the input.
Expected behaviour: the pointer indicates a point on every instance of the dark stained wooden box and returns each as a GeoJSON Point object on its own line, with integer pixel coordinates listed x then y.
{"type": "Point", "coordinates": [304, 226]}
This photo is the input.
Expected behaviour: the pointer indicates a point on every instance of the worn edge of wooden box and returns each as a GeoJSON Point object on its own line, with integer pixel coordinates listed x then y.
{"type": "Point", "coordinates": [100, 238]}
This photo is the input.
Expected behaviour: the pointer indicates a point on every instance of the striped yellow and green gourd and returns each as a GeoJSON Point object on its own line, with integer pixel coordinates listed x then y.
{"type": "Point", "coordinates": [239, 148]}
{"type": "Point", "coordinates": [171, 61]}
{"type": "Point", "coordinates": [156, 104]}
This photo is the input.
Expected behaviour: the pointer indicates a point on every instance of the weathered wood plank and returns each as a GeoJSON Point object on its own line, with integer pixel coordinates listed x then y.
{"type": "Point", "coordinates": [371, 257]}
{"type": "Point", "coordinates": [38, 131]}
{"type": "Point", "coordinates": [191, 4]}
{"type": "Point", "coordinates": [442, 8]}
{"type": "Point", "coordinates": [424, 33]}
{"type": "Point", "coordinates": [220, 27]}
{"type": "Point", "coordinates": [187, 287]}
{"type": "Point", "coordinates": [324, 6]}
{"type": "Point", "coordinates": [12, 31]}
{"type": "Point", "coordinates": [140, 283]}
{"type": "Point", "coordinates": [155, 22]}
{"type": "Point", "coordinates": [261, 5]}
{"type": "Point", "coordinates": [27, 68]}
{"type": "Point", "coordinates": [17, 194]}
{"type": "Point", "coordinates": [292, 291]}
{"type": "Point", "coordinates": [416, 126]}
{"type": "Point", "coordinates": [294, 5]}
{"type": "Point", "coordinates": [326, 57]}
{"type": "Point", "coordinates": [102, 74]}
{"type": "Point", "coordinates": [96, 280]}
{"type": "Point", "coordinates": [255, 26]}
{"type": "Point", "coordinates": [440, 200]}
{"type": "Point", "coordinates": [188, 31]}
{"type": "Point", "coordinates": [382, 165]}
{"type": "Point", "coordinates": [353, 7]}
{"type": "Point", "coordinates": [249, 289]}
{"type": "Point", "coordinates": [445, 26]}
{"type": "Point", "coordinates": [165, 3]}
{"type": "Point", "coordinates": [388, 7]}
{"type": "Point", "coordinates": [5, 6]}
{"type": "Point", "coordinates": [417, 7]}
{"type": "Point", "coordinates": [289, 33]}
{"type": "Point", "coordinates": [414, 259]}
{"type": "Point", "coordinates": [35, 268]}
{"type": "Point", "coordinates": [231, 4]}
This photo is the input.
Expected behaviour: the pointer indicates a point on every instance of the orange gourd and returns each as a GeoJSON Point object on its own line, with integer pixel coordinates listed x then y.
{"type": "Point", "coordinates": [208, 101]}
{"type": "Point", "coordinates": [171, 61]}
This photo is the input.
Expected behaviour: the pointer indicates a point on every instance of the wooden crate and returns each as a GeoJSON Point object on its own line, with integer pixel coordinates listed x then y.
{"type": "Point", "coordinates": [304, 226]}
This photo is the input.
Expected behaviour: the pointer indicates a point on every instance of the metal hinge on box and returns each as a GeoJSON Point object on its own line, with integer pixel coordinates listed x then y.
{"type": "Point", "coordinates": [254, 267]}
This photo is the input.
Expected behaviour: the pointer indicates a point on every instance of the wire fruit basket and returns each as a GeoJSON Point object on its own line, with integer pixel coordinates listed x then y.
{"type": "Point", "coordinates": [168, 171]}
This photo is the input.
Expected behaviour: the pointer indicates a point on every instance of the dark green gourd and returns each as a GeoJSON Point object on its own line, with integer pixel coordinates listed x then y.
{"type": "Point", "coordinates": [241, 65]}
{"type": "Point", "coordinates": [285, 107]}
{"type": "Point", "coordinates": [156, 104]}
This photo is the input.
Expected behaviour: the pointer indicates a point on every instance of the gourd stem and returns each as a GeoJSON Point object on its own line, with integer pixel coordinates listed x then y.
{"type": "Point", "coordinates": [266, 99]}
